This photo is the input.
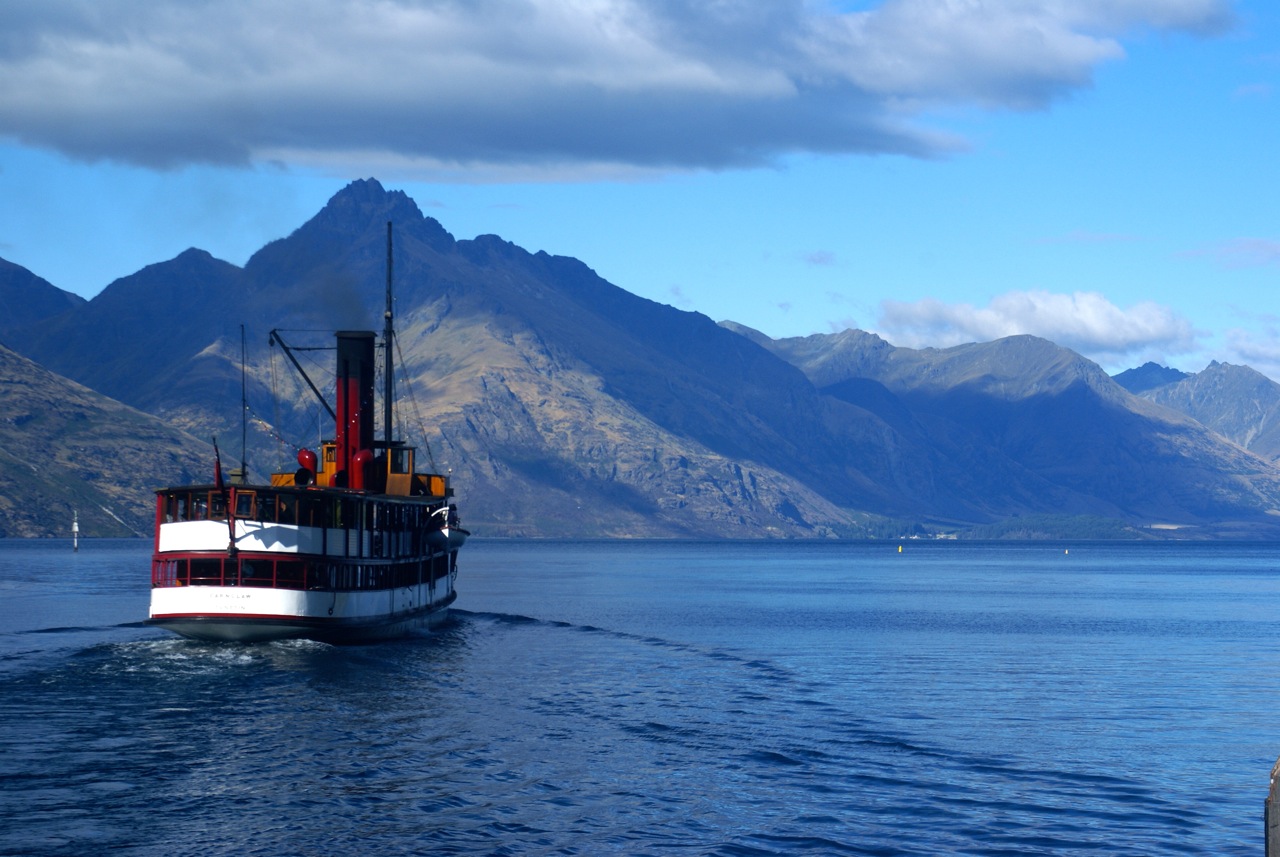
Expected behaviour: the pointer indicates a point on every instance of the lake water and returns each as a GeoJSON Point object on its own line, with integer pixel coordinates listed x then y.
{"type": "Point", "coordinates": [664, 698]}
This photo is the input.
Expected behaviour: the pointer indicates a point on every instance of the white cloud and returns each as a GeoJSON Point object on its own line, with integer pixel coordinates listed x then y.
{"type": "Point", "coordinates": [1085, 322]}
{"type": "Point", "coordinates": [513, 88]}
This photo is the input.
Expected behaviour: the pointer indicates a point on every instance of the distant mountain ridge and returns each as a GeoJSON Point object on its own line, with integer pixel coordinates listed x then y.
{"type": "Point", "coordinates": [27, 300]}
{"type": "Point", "coordinates": [568, 407]}
{"type": "Point", "coordinates": [1237, 402]}
{"type": "Point", "coordinates": [1022, 414]}
{"type": "Point", "coordinates": [1148, 376]}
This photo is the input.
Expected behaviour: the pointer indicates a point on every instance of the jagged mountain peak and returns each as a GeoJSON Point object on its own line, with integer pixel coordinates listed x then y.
{"type": "Point", "coordinates": [365, 198]}
{"type": "Point", "coordinates": [1148, 376]}
{"type": "Point", "coordinates": [1240, 383]}
{"type": "Point", "coordinates": [365, 205]}
{"type": "Point", "coordinates": [354, 218]}
{"type": "Point", "coordinates": [1234, 370]}
{"type": "Point", "coordinates": [1238, 402]}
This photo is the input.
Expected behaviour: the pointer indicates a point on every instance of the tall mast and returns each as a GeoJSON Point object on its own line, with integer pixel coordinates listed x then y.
{"type": "Point", "coordinates": [388, 391]}
{"type": "Point", "coordinates": [244, 416]}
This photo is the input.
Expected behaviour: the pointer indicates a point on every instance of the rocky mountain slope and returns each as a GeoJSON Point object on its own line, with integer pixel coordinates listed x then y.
{"type": "Point", "coordinates": [67, 450]}
{"type": "Point", "coordinates": [566, 406]}
{"type": "Point", "coordinates": [1237, 402]}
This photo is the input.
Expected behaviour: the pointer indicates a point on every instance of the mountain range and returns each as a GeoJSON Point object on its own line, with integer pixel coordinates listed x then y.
{"type": "Point", "coordinates": [567, 407]}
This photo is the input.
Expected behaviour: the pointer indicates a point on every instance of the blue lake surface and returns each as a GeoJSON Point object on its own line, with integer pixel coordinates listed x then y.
{"type": "Point", "coordinates": [640, 698]}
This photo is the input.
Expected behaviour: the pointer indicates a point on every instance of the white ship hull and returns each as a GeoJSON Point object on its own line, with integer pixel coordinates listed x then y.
{"type": "Point", "coordinates": [248, 615]}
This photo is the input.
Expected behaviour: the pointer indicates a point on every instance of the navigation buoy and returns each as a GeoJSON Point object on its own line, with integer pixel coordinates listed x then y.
{"type": "Point", "coordinates": [899, 548]}
{"type": "Point", "coordinates": [75, 532]}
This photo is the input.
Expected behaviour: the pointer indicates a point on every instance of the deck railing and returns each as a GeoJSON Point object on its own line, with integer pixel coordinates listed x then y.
{"type": "Point", "coordinates": [269, 572]}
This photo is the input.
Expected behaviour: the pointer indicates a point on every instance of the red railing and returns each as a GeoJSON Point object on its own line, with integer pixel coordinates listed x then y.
{"type": "Point", "coordinates": [265, 572]}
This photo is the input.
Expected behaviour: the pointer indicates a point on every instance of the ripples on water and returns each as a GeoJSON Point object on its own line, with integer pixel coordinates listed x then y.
{"type": "Point", "coordinates": [845, 733]}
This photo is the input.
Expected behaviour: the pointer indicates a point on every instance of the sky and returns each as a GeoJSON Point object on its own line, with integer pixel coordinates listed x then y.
{"type": "Point", "coordinates": [1102, 173]}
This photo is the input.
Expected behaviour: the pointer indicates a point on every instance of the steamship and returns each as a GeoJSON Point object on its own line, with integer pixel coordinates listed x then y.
{"type": "Point", "coordinates": [353, 546]}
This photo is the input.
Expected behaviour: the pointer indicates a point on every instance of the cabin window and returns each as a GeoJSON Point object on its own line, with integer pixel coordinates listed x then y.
{"type": "Point", "coordinates": [217, 506]}
{"type": "Point", "coordinates": [244, 504]}
{"type": "Point", "coordinates": [289, 574]}
{"type": "Point", "coordinates": [168, 572]}
{"type": "Point", "coordinates": [317, 577]}
{"type": "Point", "coordinates": [206, 572]}
{"type": "Point", "coordinates": [177, 507]}
{"type": "Point", "coordinates": [401, 461]}
{"type": "Point", "coordinates": [286, 510]}
{"type": "Point", "coordinates": [308, 512]}
{"type": "Point", "coordinates": [255, 573]}
{"type": "Point", "coordinates": [164, 572]}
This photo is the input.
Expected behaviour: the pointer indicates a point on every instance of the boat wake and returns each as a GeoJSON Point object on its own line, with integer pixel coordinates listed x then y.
{"type": "Point", "coordinates": [499, 728]}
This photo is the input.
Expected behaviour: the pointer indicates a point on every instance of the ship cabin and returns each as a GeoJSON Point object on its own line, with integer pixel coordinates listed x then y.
{"type": "Point", "coordinates": [303, 531]}
{"type": "Point", "coordinates": [389, 473]}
